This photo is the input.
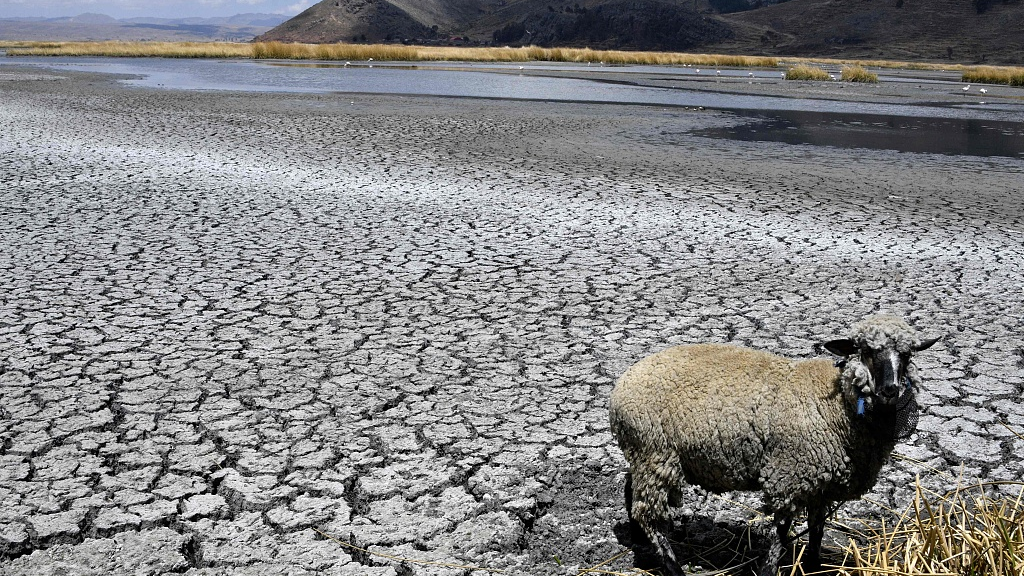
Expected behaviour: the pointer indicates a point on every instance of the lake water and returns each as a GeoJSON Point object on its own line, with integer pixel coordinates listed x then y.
{"type": "Point", "coordinates": [968, 129]}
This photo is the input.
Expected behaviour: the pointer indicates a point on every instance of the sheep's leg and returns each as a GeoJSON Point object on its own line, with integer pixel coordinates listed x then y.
{"type": "Point", "coordinates": [779, 539]}
{"type": "Point", "coordinates": [815, 532]}
{"type": "Point", "coordinates": [647, 491]}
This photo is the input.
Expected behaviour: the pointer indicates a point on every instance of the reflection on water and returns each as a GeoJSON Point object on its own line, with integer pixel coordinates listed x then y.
{"type": "Point", "coordinates": [968, 129]}
{"type": "Point", "coordinates": [951, 136]}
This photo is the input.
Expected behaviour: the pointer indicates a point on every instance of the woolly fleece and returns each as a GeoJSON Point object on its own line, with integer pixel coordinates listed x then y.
{"type": "Point", "coordinates": [730, 418]}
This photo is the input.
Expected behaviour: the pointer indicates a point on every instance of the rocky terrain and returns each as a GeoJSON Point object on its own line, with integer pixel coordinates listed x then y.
{"type": "Point", "coordinates": [234, 323]}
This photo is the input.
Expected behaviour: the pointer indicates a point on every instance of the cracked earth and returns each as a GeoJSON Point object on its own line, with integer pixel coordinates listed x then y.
{"type": "Point", "coordinates": [234, 324]}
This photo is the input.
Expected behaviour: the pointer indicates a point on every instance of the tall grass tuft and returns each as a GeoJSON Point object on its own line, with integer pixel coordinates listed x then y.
{"type": "Point", "coordinates": [858, 74]}
{"type": "Point", "coordinates": [806, 72]}
{"type": "Point", "coordinates": [967, 532]}
{"type": "Point", "coordinates": [994, 75]}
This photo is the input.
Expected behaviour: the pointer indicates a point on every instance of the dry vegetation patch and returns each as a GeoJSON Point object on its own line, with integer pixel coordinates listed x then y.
{"type": "Point", "coordinates": [858, 74]}
{"type": "Point", "coordinates": [971, 531]}
{"type": "Point", "coordinates": [1011, 76]}
{"type": "Point", "coordinates": [806, 72]}
{"type": "Point", "coordinates": [133, 49]}
{"type": "Point", "coordinates": [395, 52]}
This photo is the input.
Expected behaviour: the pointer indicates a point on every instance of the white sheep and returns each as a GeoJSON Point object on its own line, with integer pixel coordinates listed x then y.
{"type": "Point", "coordinates": [805, 433]}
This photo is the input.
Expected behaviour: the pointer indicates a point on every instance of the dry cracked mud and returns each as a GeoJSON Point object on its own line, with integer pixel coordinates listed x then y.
{"type": "Point", "coordinates": [232, 324]}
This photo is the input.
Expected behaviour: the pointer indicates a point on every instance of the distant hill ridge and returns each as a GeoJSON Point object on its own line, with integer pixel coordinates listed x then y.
{"type": "Point", "coordinates": [990, 31]}
{"type": "Point", "coordinates": [90, 26]}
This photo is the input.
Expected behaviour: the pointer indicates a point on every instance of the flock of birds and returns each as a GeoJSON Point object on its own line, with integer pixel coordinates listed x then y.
{"type": "Point", "coordinates": [965, 89]}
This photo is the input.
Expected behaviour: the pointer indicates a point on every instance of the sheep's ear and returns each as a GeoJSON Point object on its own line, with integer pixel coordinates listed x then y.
{"type": "Point", "coordinates": [926, 344]}
{"type": "Point", "coordinates": [843, 347]}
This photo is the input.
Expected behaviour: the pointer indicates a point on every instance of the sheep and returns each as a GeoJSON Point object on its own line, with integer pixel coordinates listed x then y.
{"type": "Point", "coordinates": [806, 434]}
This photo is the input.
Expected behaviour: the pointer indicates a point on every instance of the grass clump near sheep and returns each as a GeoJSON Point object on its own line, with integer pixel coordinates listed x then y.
{"type": "Point", "coordinates": [967, 532]}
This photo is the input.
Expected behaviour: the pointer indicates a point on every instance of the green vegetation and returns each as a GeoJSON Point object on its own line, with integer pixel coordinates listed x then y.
{"type": "Point", "coordinates": [994, 75]}
{"type": "Point", "coordinates": [858, 74]}
{"type": "Point", "coordinates": [806, 72]}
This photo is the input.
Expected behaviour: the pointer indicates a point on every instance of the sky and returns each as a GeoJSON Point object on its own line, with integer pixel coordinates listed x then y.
{"type": "Point", "coordinates": [152, 8]}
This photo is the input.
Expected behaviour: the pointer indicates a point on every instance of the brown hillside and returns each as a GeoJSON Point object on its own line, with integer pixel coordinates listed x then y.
{"type": "Point", "coordinates": [967, 30]}
{"type": "Point", "coordinates": [349, 21]}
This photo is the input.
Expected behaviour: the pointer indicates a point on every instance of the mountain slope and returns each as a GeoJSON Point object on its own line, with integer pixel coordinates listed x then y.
{"type": "Point", "coordinates": [964, 30]}
{"type": "Point", "coordinates": [967, 31]}
{"type": "Point", "coordinates": [644, 24]}
{"type": "Point", "coordinates": [350, 21]}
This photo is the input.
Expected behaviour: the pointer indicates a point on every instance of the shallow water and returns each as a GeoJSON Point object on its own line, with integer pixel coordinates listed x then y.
{"type": "Point", "coordinates": [942, 129]}
{"type": "Point", "coordinates": [951, 136]}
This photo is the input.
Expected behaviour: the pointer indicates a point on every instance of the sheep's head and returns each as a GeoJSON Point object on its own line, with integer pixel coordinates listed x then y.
{"type": "Point", "coordinates": [877, 369]}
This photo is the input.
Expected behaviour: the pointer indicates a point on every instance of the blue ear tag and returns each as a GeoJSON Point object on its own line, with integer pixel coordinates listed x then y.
{"type": "Point", "coordinates": [860, 406]}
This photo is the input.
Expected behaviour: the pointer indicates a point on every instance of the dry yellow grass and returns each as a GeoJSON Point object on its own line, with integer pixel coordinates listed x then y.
{"type": "Point", "coordinates": [806, 72]}
{"type": "Point", "coordinates": [384, 52]}
{"type": "Point", "coordinates": [858, 74]}
{"type": "Point", "coordinates": [994, 75]}
{"type": "Point", "coordinates": [133, 49]}
{"type": "Point", "coordinates": [392, 52]}
{"type": "Point", "coordinates": [968, 532]}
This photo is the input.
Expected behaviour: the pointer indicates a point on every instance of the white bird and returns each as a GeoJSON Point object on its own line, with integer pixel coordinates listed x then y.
{"type": "Point", "coordinates": [718, 72]}
{"type": "Point", "coordinates": [983, 90]}
{"type": "Point", "coordinates": [370, 60]}
{"type": "Point", "coordinates": [966, 88]}
{"type": "Point", "coordinates": [751, 74]}
{"type": "Point", "coordinates": [697, 70]}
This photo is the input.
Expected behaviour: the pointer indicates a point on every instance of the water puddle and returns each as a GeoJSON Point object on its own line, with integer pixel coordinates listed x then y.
{"type": "Point", "coordinates": [949, 136]}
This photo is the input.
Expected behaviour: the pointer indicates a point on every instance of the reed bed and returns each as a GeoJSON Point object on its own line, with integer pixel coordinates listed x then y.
{"type": "Point", "coordinates": [858, 74]}
{"type": "Point", "coordinates": [382, 52]}
{"type": "Point", "coordinates": [392, 52]}
{"type": "Point", "coordinates": [806, 72]}
{"type": "Point", "coordinates": [1011, 76]}
{"type": "Point", "coordinates": [133, 49]}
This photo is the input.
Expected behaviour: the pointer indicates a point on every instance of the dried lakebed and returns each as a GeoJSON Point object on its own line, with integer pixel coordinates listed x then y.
{"type": "Point", "coordinates": [232, 320]}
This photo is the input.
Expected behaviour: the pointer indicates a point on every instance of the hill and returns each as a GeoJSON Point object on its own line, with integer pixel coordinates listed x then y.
{"type": "Point", "coordinates": [645, 24]}
{"type": "Point", "coordinates": [990, 31]}
{"type": "Point", "coordinates": [241, 27]}
{"type": "Point", "coordinates": [973, 31]}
